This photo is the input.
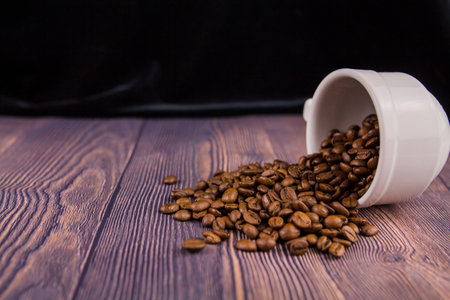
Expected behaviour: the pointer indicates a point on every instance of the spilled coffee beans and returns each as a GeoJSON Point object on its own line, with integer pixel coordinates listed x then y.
{"type": "Point", "coordinates": [312, 203]}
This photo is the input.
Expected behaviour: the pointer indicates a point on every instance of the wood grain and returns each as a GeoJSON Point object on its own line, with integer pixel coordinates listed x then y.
{"type": "Point", "coordinates": [139, 252]}
{"type": "Point", "coordinates": [56, 180]}
{"type": "Point", "coordinates": [79, 218]}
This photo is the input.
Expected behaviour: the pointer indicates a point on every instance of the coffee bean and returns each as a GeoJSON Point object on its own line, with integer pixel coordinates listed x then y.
{"type": "Point", "coordinates": [300, 206]}
{"type": "Point", "coordinates": [221, 233]}
{"type": "Point", "coordinates": [230, 195]}
{"type": "Point", "coordinates": [211, 237]}
{"type": "Point", "coordinates": [199, 215]}
{"type": "Point", "coordinates": [313, 216]}
{"type": "Point", "coordinates": [252, 217]}
{"type": "Point", "coordinates": [266, 244]}
{"type": "Point", "coordinates": [349, 202]}
{"type": "Point", "coordinates": [357, 163]}
{"type": "Point", "coordinates": [193, 245]}
{"type": "Point", "coordinates": [308, 200]}
{"type": "Point", "coordinates": [285, 212]}
{"type": "Point", "coordinates": [312, 239]}
{"type": "Point", "coordinates": [361, 171]}
{"type": "Point", "coordinates": [169, 208]}
{"type": "Point", "coordinates": [288, 193]}
{"type": "Point", "coordinates": [274, 208]}
{"type": "Point", "coordinates": [301, 220]}
{"type": "Point", "coordinates": [250, 231]}
{"type": "Point", "coordinates": [372, 163]}
{"type": "Point", "coordinates": [182, 215]}
{"type": "Point", "coordinates": [245, 245]}
{"type": "Point", "coordinates": [208, 220]}
{"type": "Point", "coordinates": [324, 177]}
{"type": "Point", "coordinates": [329, 232]}
{"type": "Point", "coordinates": [323, 243]}
{"type": "Point", "coordinates": [354, 227]}
{"type": "Point", "coordinates": [345, 243]}
{"type": "Point", "coordinates": [288, 181]}
{"type": "Point", "coordinates": [200, 205]}
{"type": "Point", "coordinates": [320, 210]}
{"type": "Point", "coordinates": [334, 221]}
{"type": "Point", "coordinates": [348, 233]}
{"type": "Point", "coordinates": [336, 249]}
{"type": "Point", "coordinates": [375, 141]}
{"type": "Point", "coordinates": [358, 221]}
{"type": "Point", "coordinates": [276, 222]}
{"type": "Point", "coordinates": [288, 232]}
{"type": "Point", "coordinates": [369, 230]}
{"type": "Point", "coordinates": [339, 208]}
{"type": "Point", "coordinates": [234, 215]}
{"type": "Point", "coordinates": [171, 179]}
{"type": "Point", "coordinates": [298, 246]}
{"type": "Point", "coordinates": [201, 185]}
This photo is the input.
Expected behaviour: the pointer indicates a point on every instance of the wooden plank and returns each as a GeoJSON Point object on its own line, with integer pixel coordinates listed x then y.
{"type": "Point", "coordinates": [56, 181]}
{"type": "Point", "coordinates": [138, 254]}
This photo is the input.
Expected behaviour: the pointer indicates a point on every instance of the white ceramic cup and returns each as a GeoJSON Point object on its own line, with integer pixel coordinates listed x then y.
{"type": "Point", "coordinates": [414, 129]}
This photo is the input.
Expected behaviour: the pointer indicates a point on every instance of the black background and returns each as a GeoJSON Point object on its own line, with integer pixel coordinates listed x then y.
{"type": "Point", "coordinates": [153, 58]}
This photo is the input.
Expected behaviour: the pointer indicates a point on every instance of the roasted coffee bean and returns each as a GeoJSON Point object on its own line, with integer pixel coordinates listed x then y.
{"type": "Point", "coordinates": [330, 209]}
{"type": "Point", "coordinates": [298, 246]}
{"type": "Point", "coordinates": [312, 239]}
{"type": "Point", "coordinates": [301, 220]}
{"type": "Point", "coordinates": [189, 192]}
{"type": "Point", "coordinates": [170, 208]}
{"type": "Point", "coordinates": [321, 196]}
{"type": "Point", "coordinates": [252, 217]}
{"type": "Point", "coordinates": [184, 203]}
{"type": "Point", "coordinates": [288, 193]}
{"type": "Point", "coordinates": [177, 194]}
{"type": "Point", "coordinates": [263, 189]}
{"type": "Point", "coordinates": [329, 232]}
{"type": "Point", "coordinates": [313, 216]}
{"type": "Point", "coordinates": [300, 206]}
{"type": "Point", "coordinates": [358, 221]}
{"type": "Point", "coordinates": [182, 215]}
{"type": "Point", "coordinates": [246, 245]}
{"type": "Point", "coordinates": [199, 215]}
{"type": "Point", "coordinates": [230, 195]}
{"type": "Point", "coordinates": [228, 223]}
{"type": "Point", "coordinates": [323, 243]}
{"type": "Point", "coordinates": [288, 181]}
{"type": "Point", "coordinates": [372, 163]}
{"type": "Point", "coordinates": [361, 171]}
{"type": "Point", "coordinates": [326, 188]}
{"type": "Point", "coordinates": [200, 205]}
{"type": "Point", "coordinates": [211, 237]}
{"type": "Point", "coordinates": [339, 208]}
{"type": "Point", "coordinates": [171, 179]}
{"type": "Point", "coordinates": [288, 232]}
{"type": "Point", "coordinates": [264, 215]}
{"type": "Point", "coordinates": [231, 206]}
{"type": "Point", "coordinates": [349, 202]}
{"type": "Point", "coordinates": [250, 231]}
{"type": "Point", "coordinates": [274, 208]}
{"type": "Point", "coordinates": [325, 177]}
{"type": "Point", "coordinates": [357, 163]}
{"type": "Point", "coordinates": [201, 185]}
{"type": "Point", "coordinates": [354, 227]}
{"type": "Point", "coordinates": [348, 233]}
{"type": "Point", "coordinates": [345, 243]}
{"type": "Point", "coordinates": [336, 249]}
{"type": "Point", "coordinates": [315, 227]}
{"type": "Point", "coordinates": [294, 171]}
{"type": "Point", "coordinates": [375, 141]}
{"type": "Point", "coordinates": [334, 221]}
{"type": "Point", "coordinates": [320, 210]}
{"type": "Point", "coordinates": [276, 222]}
{"type": "Point", "coordinates": [215, 212]}
{"type": "Point", "coordinates": [234, 215]}
{"type": "Point", "coordinates": [308, 200]}
{"type": "Point", "coordinates": [194, 245]}
{"type": "Point", "coordinates": [266, 244]}
{"type": "Point", "coordinates": [221, 233]}
{"type": "Point", "coordinates": [208, 220]}
{"type": "Point", "coordinates": [369, 230]}
{"type": "Point", "coordinates": [358, 143]}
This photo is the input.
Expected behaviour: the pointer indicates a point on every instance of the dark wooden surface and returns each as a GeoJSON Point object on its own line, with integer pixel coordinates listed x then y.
{"type": "Point", "coordinates": [79, 218]}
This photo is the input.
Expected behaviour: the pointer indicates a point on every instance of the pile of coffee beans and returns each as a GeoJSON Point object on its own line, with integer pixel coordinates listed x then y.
{"type": "Point", "coordinates": [312, 203]}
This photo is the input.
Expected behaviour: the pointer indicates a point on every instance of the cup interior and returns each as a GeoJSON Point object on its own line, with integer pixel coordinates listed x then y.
{"type": "Point", "coordinates": [341, 102]}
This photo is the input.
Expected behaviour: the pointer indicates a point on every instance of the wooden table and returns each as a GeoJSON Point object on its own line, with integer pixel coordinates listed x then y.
{"type": "Point", "coordinates": [79, 218]}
